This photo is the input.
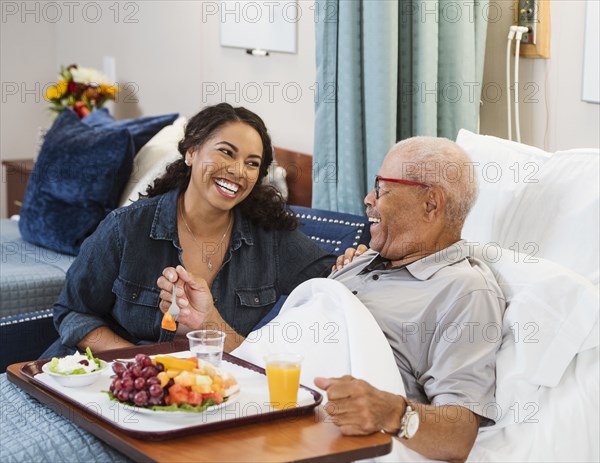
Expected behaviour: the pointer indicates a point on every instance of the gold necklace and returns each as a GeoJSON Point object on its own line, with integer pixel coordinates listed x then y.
{"type": "Point", "coordinates": [209, 263]}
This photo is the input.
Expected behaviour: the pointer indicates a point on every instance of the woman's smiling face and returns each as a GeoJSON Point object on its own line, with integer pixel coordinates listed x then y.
{"type": "Point", "coordinates": [226, 167]}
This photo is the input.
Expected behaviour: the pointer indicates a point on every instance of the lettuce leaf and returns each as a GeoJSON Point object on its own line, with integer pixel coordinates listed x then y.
{"type": "Point", "coordinates": [88, 353]}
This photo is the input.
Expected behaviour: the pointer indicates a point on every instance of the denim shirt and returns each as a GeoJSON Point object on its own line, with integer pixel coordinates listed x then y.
{"type": "Point", "coordinates": [112, 282]}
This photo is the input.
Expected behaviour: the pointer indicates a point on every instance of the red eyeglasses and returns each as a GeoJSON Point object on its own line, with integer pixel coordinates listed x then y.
{"type": "Point", "coordinates": [397, 180]}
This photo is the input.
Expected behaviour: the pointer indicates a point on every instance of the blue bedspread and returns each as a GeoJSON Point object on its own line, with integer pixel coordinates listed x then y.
{"type": "Point", "coordinates": [32, 276]}
{"type": "Point", "coordinates": [32, 432]}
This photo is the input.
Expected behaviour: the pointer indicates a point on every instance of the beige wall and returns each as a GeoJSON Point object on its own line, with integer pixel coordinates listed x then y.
{"type": "Point", "coordinates": [166, 54]}
{"type": "Point", "coordinates": [28, 59]}
{"type": "Point", "coordinates": [554, 116]}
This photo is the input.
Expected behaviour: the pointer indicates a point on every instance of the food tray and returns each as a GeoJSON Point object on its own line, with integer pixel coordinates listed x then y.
{"type": "Point", "coordinates": [250, 405]}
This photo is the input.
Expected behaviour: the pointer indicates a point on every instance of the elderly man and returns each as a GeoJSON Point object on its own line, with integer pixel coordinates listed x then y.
{"type": "Point", "coordinates": [433, 301]}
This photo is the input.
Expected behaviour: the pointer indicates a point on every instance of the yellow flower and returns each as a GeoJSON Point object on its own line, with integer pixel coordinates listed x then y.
{"type": "Point", "coordinates": [57, 91]}
{"type": "Point", "coordinates": [108, 90]}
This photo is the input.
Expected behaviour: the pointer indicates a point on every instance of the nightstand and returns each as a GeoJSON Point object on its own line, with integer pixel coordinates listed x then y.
{"type": "Point", "coordinates": [16, 174]}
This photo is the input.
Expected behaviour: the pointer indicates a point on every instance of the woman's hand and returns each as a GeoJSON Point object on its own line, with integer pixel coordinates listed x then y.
{"type": "Point", "coordinates": [348, 256]}
{"type": "Point", "coordinates": [193, 297]}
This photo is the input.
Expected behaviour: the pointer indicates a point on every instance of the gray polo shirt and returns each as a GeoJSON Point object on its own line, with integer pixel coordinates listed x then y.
{"type": "Point", "coordinates": [442, 316]}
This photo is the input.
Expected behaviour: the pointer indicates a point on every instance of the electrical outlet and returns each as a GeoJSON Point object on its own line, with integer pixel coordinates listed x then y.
{"type": "Point", "coordinates": [535, 15]}
{"type": "Point", "coordinates": [527, 11]}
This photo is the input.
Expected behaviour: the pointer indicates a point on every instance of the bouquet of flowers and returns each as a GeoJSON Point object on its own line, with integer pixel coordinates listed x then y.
{"type": "Point", "coordinates": [81, 89]}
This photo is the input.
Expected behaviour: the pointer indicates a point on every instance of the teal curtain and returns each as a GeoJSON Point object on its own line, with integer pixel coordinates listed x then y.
{"type": "Point", "coordinates": [386, 71]}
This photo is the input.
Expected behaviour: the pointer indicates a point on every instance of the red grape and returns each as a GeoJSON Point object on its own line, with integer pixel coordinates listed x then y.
{"type": "Point", "coordinates": [135, 371]}
{"type": "Point", "coordinates": [118, 368]}
{"type": "Point", "coordinates": [140, 398]}
{"type": "Point", "coordinates": [155, 390]}
{"type": "Point", "coordinates": [152, 380]}
{"type": "Point", "coordinates": [127, 384]}
{"type": "Point", "coordinates": [148, 372]}
{"type": "Point", "coordinates": [123, 395]}
{"type": "Point", "coordinates": [139, 383]}
{"type": "Point", "coordinates": [159, 367]}
{"type": "Point", "coordinates": [158, 400]}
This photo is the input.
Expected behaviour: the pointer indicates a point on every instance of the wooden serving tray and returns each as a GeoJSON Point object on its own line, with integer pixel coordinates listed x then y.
{"type": "Point", "coordinates": [311, 437]}
{"type": "Point", "coordinates": [168, 425]}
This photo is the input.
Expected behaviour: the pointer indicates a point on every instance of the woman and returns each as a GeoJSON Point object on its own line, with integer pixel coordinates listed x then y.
{"type": "Point", "coordinates": [211, 214]}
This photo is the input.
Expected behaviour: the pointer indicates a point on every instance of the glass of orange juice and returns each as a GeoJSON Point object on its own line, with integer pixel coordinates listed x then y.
{"type": "Point", "coordinates": [283, 375]}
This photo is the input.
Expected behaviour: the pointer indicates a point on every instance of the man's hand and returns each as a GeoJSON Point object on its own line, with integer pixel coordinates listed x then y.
{"type": "Point", "coordinates": [358, 408]}
{"type": "Point", "coordinates": [193, 297]}
{"type": "Point", "coordinates": [446, 432]}
{"type": "Point", "coordinates": [348, 256]}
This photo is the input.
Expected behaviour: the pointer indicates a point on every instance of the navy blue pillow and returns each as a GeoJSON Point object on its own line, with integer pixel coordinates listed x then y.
{"type": "Point", "coordinates": [142, 129]}
{"type": "Point", "coordinates": [77, 179]}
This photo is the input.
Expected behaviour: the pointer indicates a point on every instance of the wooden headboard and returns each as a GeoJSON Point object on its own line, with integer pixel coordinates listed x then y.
{"type": "Point", "coordinates": [298, 167]}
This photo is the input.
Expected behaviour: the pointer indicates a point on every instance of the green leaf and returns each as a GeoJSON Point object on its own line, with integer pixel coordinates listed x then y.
{"type": "Point", "coordinates": [88, 353]}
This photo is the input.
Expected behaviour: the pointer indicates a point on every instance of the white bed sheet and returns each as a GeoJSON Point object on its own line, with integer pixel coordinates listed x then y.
{"type": "Point", "coordinates": [562, 422]}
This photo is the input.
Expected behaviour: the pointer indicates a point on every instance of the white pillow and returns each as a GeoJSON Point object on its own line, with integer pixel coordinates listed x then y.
{"type": "Point", "coordinates": [501, 167]}
{"type": "Point", "coordinates": [544, 205]}
{"type": "Point", "coordinates": [152, 160]}
{"type": "Point", "coordinates": [559, 215]}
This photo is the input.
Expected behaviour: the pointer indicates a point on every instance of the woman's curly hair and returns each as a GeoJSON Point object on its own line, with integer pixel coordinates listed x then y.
{"type": "Point", "coordinates": [264, 206]}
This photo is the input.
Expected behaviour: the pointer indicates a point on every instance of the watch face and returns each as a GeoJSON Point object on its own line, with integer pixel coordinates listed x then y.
{"type": "Point", "coordinates": [411, 424]}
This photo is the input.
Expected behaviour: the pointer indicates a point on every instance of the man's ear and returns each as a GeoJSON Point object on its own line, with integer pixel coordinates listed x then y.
{"type": "Point", "coordinates": [434, 203]}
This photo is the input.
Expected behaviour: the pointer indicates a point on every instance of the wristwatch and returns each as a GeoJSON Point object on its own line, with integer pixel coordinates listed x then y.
{"type": "Point", "coordinates": [409, 424]}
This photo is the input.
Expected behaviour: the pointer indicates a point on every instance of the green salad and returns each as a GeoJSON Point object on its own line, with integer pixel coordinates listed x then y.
{"type": "Point", "coordinates": [76, 364]}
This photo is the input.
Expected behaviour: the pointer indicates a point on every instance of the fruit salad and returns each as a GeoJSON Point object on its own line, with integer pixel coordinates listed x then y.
{"type": "Point", "coordinates": [171, 384]}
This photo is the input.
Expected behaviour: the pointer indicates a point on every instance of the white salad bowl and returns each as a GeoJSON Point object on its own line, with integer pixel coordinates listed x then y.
{"type": "Point", "coordinates": [81, 380]}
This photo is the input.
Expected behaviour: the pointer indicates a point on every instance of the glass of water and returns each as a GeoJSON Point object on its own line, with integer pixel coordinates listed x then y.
{"type": "Point", "coordinates": [207, 345]}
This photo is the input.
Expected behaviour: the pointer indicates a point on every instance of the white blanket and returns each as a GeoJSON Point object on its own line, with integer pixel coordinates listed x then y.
{"type": "Point", "coordinates": [334, 332]}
